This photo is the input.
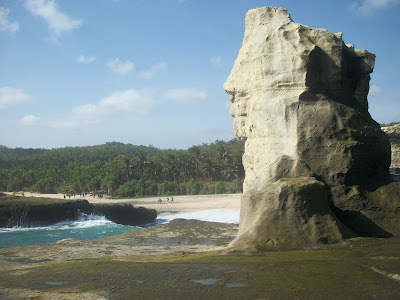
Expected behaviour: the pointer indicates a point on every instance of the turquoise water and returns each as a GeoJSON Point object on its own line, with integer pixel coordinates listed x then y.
{"type": "Point", "coordinates": [85, 228]}
{"type": "Point", "coordinates": [90, 227]}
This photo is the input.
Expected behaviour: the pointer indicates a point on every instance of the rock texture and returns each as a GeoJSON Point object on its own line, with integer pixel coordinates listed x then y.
{"type": "Point", "coordinates": [27, 215]}
{"type": "Point", "coordinates": [393, 132]}
{"type": "Point", "coordinates": [299, 96]}
{"type": "Point", "coordinates": [289, 213]}
{"type": "Point", "coordinates": [125, 214]}
{"type": "Point", "coordinates": [23, 214]}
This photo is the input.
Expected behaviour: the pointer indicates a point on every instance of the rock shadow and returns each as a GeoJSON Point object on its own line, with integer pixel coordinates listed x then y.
{"type": "Point", "coordinates": [360, 224]}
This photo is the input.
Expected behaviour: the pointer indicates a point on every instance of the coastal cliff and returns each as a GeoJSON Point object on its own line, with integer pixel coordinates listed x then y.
{"type": "Point", "coordinates": [24, 212]}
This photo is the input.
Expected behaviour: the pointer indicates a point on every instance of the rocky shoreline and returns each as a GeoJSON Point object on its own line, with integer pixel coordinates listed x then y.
{"type": "Point", "coordinates": [24, 213]}
{"type": "Point", "coordinates": [177, 236]}
{"type": "Point", "coordinates": [184, 259]}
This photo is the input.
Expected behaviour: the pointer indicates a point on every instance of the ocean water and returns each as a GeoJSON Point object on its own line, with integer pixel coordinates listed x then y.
{"type": "Point", "coordinates": [85, 228]}
{"type": "Point", "coordinates": [91, 227]}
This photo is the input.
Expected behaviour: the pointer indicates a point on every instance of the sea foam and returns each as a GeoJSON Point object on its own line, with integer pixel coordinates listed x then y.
{"type": "Point", "coordinates": [214, 215]}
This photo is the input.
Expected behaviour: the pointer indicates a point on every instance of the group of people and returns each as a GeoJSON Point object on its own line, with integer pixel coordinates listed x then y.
{"type": "Point", "coordinates": [83, 195]}
{"type": "Point", "coordinates": [168, 200]}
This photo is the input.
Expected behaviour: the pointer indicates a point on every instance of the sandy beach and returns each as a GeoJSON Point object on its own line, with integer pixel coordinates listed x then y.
{"type": "Point", "coordinates": [180, 204]}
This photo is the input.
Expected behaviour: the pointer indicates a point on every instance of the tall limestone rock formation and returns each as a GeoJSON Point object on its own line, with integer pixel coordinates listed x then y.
{"type": "Point", "coordinates": [299, 96]}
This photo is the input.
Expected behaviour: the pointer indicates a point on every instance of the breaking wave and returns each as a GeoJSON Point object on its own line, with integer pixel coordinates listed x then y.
{"type": "Point", "coordinates": [87, 227]}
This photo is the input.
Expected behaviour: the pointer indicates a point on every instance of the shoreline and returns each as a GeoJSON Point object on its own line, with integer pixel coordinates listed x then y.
{"type": "Point", "coordinates": [185, 258]}
{"type": "Point", "coordinates": [181, 203]}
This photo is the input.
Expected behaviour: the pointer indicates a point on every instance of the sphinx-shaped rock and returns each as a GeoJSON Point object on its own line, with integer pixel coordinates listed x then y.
{"type": "Point", "coordinates": [299, 96]}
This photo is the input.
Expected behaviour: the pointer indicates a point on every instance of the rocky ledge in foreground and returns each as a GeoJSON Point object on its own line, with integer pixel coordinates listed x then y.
{"type": "Point", "coordinates": [177, 236]}
{"type": "Point", "coordinates": [28, 212]}
{"type": "Point", "coordinates": [120, 267]}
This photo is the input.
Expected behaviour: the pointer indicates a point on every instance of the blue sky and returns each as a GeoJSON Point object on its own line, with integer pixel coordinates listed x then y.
{"type": "Point", "coordinates": [150, 72]}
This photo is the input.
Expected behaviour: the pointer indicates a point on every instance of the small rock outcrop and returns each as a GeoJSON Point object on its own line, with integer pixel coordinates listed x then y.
{"type": "Point", "coordinates": [125, 214]}
{"type": "Point", "coordinates": [23, 214]}
{"type": "Point", "coordinates": [393, 133]}
{"type": "Point", "coordinates": [313, 154]}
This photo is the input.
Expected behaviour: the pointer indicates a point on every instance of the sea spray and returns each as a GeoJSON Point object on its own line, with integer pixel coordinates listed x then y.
{"type": "Point", "coordinates": [212, 215]}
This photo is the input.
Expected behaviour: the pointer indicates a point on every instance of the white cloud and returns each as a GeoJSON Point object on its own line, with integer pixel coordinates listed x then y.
{"type": "Point", "coordinates": [148, 74]}
{"type": "Point", "coordinates": [185, 95]}
{"type": "Point", "coordinates": [375, 90]}
{"type": "Point", "coordinates": [57, 21]}
{"type": "Point", "coordinates": [366, 7]}
{"type": "Point", "coordinates": [5, 24]}
{"type": "Point", "coordinates": [120, 67]}
{"type": "Point", "coordinates": [131, 101]}
{"type": "Point", "coordinates": [81, 59]}
{"type": "Point", "coordinates": [216, 60]}
{"type": "Point", "coordinates": [119, 102]}
{"type": "Point", "coordinates": [11, 96]}
{"type": "Point", "coordinates": [29, 120]}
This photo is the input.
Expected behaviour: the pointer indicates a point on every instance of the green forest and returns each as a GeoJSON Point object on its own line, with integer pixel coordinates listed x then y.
{"type": "Point", "coordinates": [125, 170]}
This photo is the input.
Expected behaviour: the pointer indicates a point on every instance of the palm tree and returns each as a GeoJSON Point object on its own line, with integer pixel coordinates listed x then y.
{"type": "Point", "coordinates": [141, 162]}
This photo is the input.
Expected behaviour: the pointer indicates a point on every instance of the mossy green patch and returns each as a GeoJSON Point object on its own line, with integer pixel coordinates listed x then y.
{"type": "Point", "coordinates": [16, 200]}
{"type": "Point", "coordinates": [336, 272]}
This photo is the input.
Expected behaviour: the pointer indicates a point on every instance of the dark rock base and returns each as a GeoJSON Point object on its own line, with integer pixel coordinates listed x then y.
{"type": "Point", "coordinates": [25, 215]}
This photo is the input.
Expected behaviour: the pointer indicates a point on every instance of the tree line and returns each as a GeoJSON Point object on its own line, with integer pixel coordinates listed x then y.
{"type": "Point", "coordinates": [125, 170]}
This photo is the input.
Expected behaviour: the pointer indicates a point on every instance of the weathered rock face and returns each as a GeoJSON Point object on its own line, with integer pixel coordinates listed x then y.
{"type": "Point", "coordinates": [301, 92]}
{"type": "Point", "coordinates": [26, 215]}
{"type": "Point", "coordinates": [299, 96]}
{"type": "Point", "coordinates": [125, 214]}
{"type": "Point", "coordinates": [393, 132]}
{"type": "Point", "coordinates": [290, 213]}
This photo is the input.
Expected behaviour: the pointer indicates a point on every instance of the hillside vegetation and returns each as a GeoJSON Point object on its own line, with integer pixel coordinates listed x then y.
{"type": "Point", "coordinates": [389, 124]}
{"type": "Point", "coordinates": [125, 170]}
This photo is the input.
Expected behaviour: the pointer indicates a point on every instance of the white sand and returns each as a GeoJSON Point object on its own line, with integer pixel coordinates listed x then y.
{"type": "Point", "coordinates": [181, 204]}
